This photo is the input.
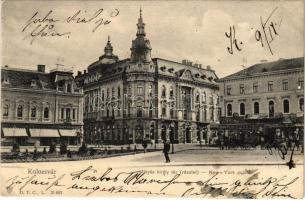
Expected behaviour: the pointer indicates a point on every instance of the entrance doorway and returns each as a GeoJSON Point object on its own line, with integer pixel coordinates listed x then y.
{"type": "Point", "coordinates": [188, 136]}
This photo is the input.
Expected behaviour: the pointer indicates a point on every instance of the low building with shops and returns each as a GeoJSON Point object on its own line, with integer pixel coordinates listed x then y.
{"type": "Point", "coordinates": [40, 108]}
{"type": "Point", "coordinates": [264, 100]}
{"type": "Point", "coordinates": [144, 98]}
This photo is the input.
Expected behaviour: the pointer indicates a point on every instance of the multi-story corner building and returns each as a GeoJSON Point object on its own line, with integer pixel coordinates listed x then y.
{"type": "Point", "coordinates": [265, 97]}
{"type": "Point", "coordinates": [141, 97]}
{"type": "Point", "coordinates": [39, 108]}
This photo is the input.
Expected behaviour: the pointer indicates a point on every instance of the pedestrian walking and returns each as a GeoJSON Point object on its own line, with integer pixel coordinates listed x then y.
{"type": "Point", "coordinates": [166, 150]}
{"type": "Point", "coordinates": [144, 144]}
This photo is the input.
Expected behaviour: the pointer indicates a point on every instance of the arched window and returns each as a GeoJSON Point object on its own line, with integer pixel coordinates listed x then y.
{"type": "Point", "coordinates": [256, 108]}
{"type": "Point", "coordinates": [286, 106]}
{"type": "Point", "coordinates": [229, 110]}
{"type": "Point", "coordinates": [20, 111]}
{"type": "Point", "coordinates": [197, 97]}
{"type": "Point", "coordinates": [171, 92]}
{"type": "Point", "coordinates": [241, 109]}
{"type": "Point", "coordinates": [301, 104]}
{"type": "Point", "coordinates": [46, 113]}
{"type": "Point", "coordinates": [271, 109]}
{"type": "Point", "coordinates": [33, 112]}
{"type": "Point", "coordinates": [163, 91]}
{"type": "Point", "coordinates": [5, 111]}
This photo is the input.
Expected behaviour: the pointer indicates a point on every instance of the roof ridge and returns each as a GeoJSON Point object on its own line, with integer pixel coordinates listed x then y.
{"type": "Point", "coordinates": [22, 70]}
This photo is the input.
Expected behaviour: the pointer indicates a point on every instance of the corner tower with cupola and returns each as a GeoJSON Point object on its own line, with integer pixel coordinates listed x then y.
{"type": "Point", "coordinates": [145, 98]}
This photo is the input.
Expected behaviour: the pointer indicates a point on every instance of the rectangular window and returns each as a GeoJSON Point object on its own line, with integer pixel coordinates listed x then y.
{"type": "Point", "coordinates": [119, 92]}
{"type": "Point", "coordinates": [74, 113]}
{"type": "Point", "coordinates": [150, 111]}
{"type": "Point", "coordinates": [163, 111]}
{"type": "Point", "coordinates": [270, 86]}
{"type": "Point", "coordinates": [171, 112]}
{"type": "Point", "coordinates": [119, 110]}
{"type": "Point", "coordinates": [285, 84]}
{"type": "Point", "coordinates": [103, 97]}
{"type": "Point", "coordinates": [62, 113]}
{"type": "Point", "coordinates": [255, 87]}
{"type": "Point", "coordinates": [129, 109]}
{"type": "Point", "coordinates": [5, 111]}
{"type": "Point", "coordinates": [68, 113]}
{"type": "Point", "coordinates": [211, 100]}
{"type": "Point", "coordinates": [140, 90]}
{"type": "Point", "coordinates": [229, 90]}
{"type": "Point", "coordinates": [139, 111]}
{"type": "Point", "coordinates": [212, 114]}
{"type": "Point", "coordinates": [241, 89]}
{"type": "Point", "coordinates": [129, 89]}
{"type": "Point", "coordinates": [33, 113]}
{"type": "Point", "coordinates": [198, 115]}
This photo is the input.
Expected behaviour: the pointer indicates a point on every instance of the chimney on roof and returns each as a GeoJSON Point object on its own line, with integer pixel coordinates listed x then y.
{"type": "Point", "coordinates": [85, 71]}
{"type": "Point", "coordinates": [184, 62]}
{"type": "Point", "coordinates": [209, 67]}
{"type": "Point", "coordinates": [41, 68]}
{"type": "Point", "coordinates": [79, 73]}
{"type": "Point", "coordinates": [6, 66]}
{"type": "Point", "coordinates": [200, 66]}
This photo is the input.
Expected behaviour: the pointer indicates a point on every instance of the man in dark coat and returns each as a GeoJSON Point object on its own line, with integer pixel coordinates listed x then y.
{"type": "Point", "coordinates": [166, 150]}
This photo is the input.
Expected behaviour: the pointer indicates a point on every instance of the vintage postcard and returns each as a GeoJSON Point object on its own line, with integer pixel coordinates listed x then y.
{"type": "Point", "coordinates": [197, 99]}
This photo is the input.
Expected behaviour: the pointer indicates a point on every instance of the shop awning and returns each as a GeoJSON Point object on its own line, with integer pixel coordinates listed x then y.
{"type": "Point", "coordinates": [68, 132]}
{"type": "Point", "coordinates": [14, 132]}
{"type": "Point", "coordinates": [44, 133]}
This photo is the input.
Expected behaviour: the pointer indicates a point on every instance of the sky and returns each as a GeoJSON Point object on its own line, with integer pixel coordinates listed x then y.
{"type": "Point", "coordinates": [177, 30]}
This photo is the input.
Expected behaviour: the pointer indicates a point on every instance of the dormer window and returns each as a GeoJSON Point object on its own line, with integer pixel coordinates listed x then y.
{"type": "Point", "coordinates": [171, 70]}
{"type": "Point", "coordinates": [33, 83]}
{"type": "Point", "coordinates": [203, 76]}
{"type": "Point", "coordinates": [163, 68]}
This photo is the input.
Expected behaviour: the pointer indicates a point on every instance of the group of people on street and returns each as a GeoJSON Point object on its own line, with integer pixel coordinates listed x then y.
{"type": "Point", "coordinates": [252, 139]}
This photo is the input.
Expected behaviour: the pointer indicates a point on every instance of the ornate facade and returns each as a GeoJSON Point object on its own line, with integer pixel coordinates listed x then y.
{"type": "Point", "coordinates": [39, 108]}
{"type": "Point", "coordinates": [127, 101]}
